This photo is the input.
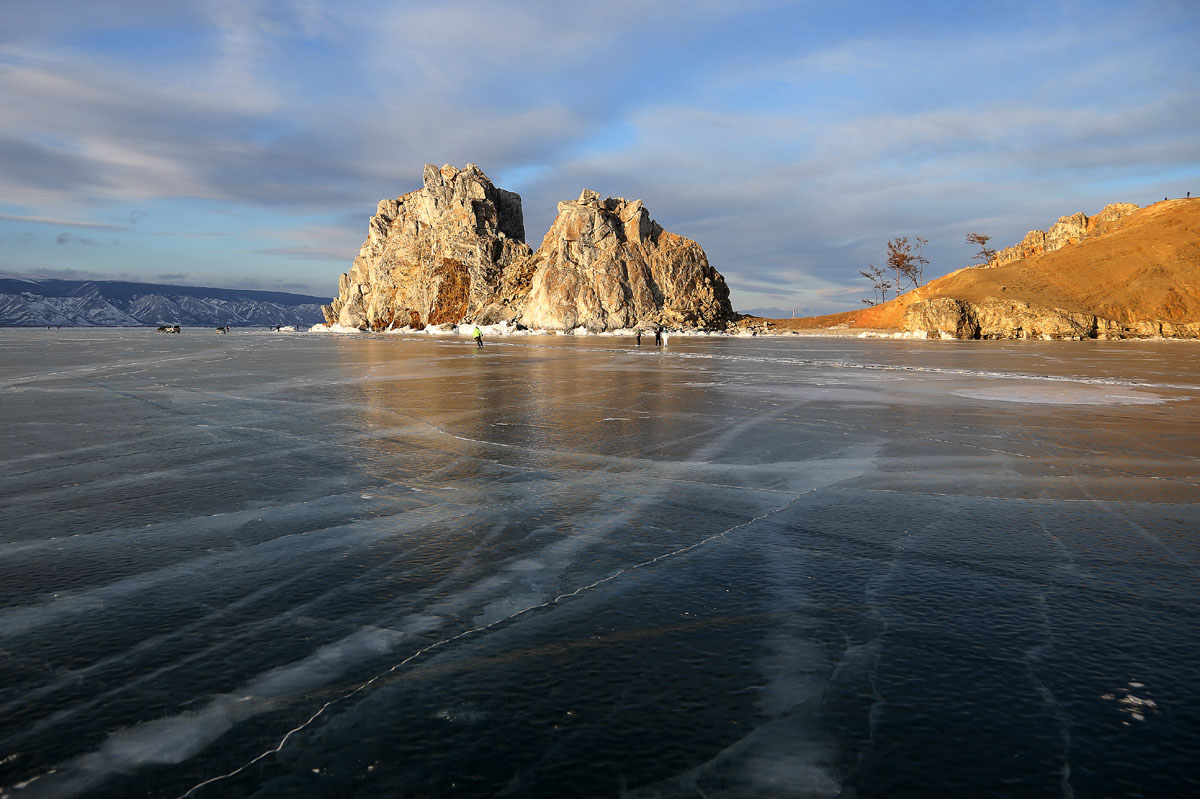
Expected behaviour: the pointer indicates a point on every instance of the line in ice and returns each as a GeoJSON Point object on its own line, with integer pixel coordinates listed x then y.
{"type": "Point", "coordinates": [78, 371]}
{"type": "Point", "coordinates": [162, 739]}
{"type": "Point", "coordinates": [1053, 448]}
{"type": "Point", "coordinates": [483, 628]}
{"type": "Point", "coordinates": [839, 364]}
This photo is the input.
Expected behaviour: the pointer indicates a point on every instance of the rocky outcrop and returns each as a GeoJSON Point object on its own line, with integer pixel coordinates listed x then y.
{"type": "Point", "coordinates": [1067, 230]}
{"type": "Point", "coordinates": [946, 317]}
{"type": "Point", "coordinates": [605, 264]}
{"type": "Point", "coordinates": [1108, 216]}
{"type": "Point", "coordinates": [453, 251]}
{"type": "Point", "coordinates": [435, 255]}
{"type": "Point", "coordinates": [1130, 273]}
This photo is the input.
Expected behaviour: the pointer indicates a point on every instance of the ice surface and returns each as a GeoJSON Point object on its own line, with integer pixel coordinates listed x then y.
{"type": "Point", "coordinates": [381, 564]}
{"type": "Point", "coordinates": [1062, 395]}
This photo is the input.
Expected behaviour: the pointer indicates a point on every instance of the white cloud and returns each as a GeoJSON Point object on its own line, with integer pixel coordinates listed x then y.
{"type": "Point", "coordinates": [322, 109]}
{"type": "Point", "coordinates": [39, 220]}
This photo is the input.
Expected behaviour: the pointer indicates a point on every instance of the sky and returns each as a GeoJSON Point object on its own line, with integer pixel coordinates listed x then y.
{"type": "Point", "coordinates": [245, 144]}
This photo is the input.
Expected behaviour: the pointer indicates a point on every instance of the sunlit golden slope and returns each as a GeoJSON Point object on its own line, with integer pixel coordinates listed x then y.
{"type": "Point", "coordinates": [1143, 271]}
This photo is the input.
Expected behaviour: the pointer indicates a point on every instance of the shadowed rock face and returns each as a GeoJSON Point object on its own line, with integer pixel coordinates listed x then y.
{"type": "Point", "coordinates": [453, 251]}
{"type": "Point", "coordinates": [605, 264]}
{"type": "Point", "coordinates": [435, 255]}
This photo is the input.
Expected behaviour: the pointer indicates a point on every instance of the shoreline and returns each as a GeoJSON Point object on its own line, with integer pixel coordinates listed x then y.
{"type": "Point", "coordinates": [497, 331]}
{"type": "Point", "coordinates": [505, 331]}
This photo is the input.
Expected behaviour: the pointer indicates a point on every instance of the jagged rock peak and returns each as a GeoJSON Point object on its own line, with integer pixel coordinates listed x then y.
{"type": "Point", "coordinates": [605, 264]}
{"type": "Point", "coordinates": [1069, 229]}
{"type": "Point", "coordinates": [434, 255]}
{"type": "Point", "coordinates": [454, 251]}
{"type": "Point", "coordinates": [470, 185]}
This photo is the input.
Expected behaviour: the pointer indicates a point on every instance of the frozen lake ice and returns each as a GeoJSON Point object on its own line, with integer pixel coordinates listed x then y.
{"type": "Point", "coordinates": [304, 565]}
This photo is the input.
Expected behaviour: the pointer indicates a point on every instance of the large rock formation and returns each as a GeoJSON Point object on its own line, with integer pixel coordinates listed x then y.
{"type": "Point", "coordinates": [437, 254]}
{"type": "Point", "coordinates": [991, 318]}
{"type": "Point", "coordinates": [1067, 230]}
{"type": "Point", "coordinates": [454, 251]}
{"type": "Point", "coordinates": [605, 264]}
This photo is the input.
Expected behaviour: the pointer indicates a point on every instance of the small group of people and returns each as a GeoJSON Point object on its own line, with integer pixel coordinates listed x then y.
{"type": "Point", "coordinates": [659, 340]}
{"type": "Point", "coordinates": [659, 337]}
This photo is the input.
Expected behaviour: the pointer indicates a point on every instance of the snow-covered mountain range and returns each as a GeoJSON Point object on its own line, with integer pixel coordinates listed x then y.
{"type": "Point", "coordinates": [31, 302]}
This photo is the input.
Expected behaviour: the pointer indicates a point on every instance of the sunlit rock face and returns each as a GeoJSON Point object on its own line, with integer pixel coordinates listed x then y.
{"type": "Point", "coordinates": [1012, 319]}
{"type": "Point", "coordinates": [997, 319]}
{"type": "Point", "coordinates": [1067, 230]}
{"type": "Point", "coordinates": [605, 264]}
{"type": "Point", "coordinates": [454, 251]}
{"type": "Point", "coordinates": [435, 255]}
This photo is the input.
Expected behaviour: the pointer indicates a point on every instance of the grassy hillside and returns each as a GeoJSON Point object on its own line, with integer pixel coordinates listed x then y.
{"type": "Point", "coordinates": [1147, 266]}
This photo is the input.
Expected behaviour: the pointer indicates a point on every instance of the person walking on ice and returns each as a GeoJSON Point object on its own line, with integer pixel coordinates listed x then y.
{"type": "Point", "coordinates": [478, 334]}
{"type": "Point", "coordinates": [658, 336]}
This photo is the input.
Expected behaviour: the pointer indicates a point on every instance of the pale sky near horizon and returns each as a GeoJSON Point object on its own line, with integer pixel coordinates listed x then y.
{"type": "Point", "coordinates": [245, 144]}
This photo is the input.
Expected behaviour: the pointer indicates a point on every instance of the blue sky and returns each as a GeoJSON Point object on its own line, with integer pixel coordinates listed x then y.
{"type": "Point", "coordinates": [245, 144]}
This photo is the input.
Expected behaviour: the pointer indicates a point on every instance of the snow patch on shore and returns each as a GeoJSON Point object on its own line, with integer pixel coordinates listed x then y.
{"type": "Point", "coordinates": [910, 334]}
{"type": "Point", "coordinates": [506, 329]}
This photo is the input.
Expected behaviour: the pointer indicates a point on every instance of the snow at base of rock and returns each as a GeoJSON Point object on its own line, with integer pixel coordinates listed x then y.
{"type": "Point", "coordinates": [909, 334]}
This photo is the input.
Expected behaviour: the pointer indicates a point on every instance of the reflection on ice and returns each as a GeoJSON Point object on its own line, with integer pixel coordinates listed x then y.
{"type": "Point", "coordinates": [1060, 395]}
{"type": "Point", "coordinates": [389, 564]}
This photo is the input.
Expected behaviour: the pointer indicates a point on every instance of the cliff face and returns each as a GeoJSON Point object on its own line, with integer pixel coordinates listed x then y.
{"type": "Point", "coordinates": [435, 255]}
{"type": "Point", "coordinates": [605, 264]}
{"type": "Point", "coordinates": [1067, 230]}
{"type": "Point", "coordinates": [1013, 319]}
{"type": "Point", "coordinates": [454, 251]}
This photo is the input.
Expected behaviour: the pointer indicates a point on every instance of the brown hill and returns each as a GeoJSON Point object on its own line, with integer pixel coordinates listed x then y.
{"type": "Point", "coordinates": [1136, 276]}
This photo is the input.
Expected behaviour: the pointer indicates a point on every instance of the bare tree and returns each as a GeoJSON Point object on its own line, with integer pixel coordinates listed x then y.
{"type": "Point", "coordinates": [985, 254]}
{"type": "Point", "coordinates": [874, 297]}
{"type": "Point", "coordinates": [908, 264]}
{"type": "Point", "coordinates": [880, 286]}
{"type": "Point", "coordinates": [920, 261]}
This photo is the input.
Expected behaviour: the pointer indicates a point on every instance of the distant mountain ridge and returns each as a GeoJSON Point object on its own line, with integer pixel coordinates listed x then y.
{"type": "Point", "coordinates": [34, 302]}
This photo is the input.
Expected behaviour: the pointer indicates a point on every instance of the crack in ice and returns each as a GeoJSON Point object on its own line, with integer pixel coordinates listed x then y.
{"type": "Point", "coordinates": [483, 628]}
